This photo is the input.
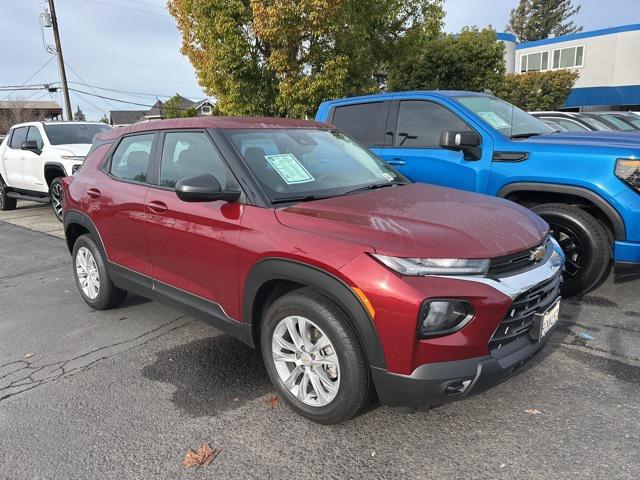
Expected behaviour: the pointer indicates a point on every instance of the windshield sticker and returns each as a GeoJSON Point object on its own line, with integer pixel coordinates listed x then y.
{"type": "Point", "coordinates": [388, 176]}
{"type": "Point", "coordinates": [289, 168]}
{"type": "Point", "coordinates": [493, 119]}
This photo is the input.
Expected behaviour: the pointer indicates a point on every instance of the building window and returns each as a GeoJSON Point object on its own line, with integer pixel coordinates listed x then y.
{"type": "Point", "coordinates": [534, 62]}
{"type": "Point", "coordinates": [206, 110]}
{"type": "Point", "coordinates": [571, 57]}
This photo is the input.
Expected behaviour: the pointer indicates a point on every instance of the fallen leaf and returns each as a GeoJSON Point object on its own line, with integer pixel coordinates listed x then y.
{"type": "Point", "coordinates": [29, 355]}
{"type": "Point", "coordinates": [532, 411]}
{"type": "Point", "coordinates": [373, 454]}
{"type": "Point", "coordinates": [202, 456]}
{"type": "Point", "coordinates": [273, 401]}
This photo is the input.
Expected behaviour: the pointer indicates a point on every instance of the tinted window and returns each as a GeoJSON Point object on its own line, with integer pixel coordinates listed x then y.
{"type": "Point", "coordinates": [597, 124]}
{"type": "Point", "coordinates": [570, 125]}
{"type": "Point", "coordinates": [420, 124]}
{"type": "Point", "coordinates": [19, 136]}
{"type": "Point", "coordinates": [34, 134]}
{"type": "Point", "coordinates": [366, 122]}
{"type": "Point", "coordinates": [70, 133]}
{"type": "Point", "coordinates": [130, 161]}
{"type": "Point", "coordinates": [187, 154]}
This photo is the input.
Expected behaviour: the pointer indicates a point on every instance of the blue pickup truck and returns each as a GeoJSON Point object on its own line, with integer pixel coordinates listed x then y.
{"type": "Point", "coordinates": [585, 185]}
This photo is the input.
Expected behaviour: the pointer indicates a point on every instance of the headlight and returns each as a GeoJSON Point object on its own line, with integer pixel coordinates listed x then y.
{"type": "Point", "coordinates": [439, 317]}
{"type": "Point", "coordinates": [628, 171]}
{"type": "Point", "coordinates": [73, 158]}
{"type": "Point", "coordinates": [434, 266]}
{"type": "Point", "coordinates": [75, 168]}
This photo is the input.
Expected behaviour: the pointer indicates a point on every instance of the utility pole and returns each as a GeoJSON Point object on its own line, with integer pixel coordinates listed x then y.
{"type": "Point", "coordinates": [63, 74]}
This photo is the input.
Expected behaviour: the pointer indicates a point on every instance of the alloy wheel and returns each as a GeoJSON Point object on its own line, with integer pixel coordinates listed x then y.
{"type": "Point", "coordinates": [56, 199]}
{"type": "Point", "coordinates": [572, 248]}
{"type": "Point", "coordinates": [87, 272]}
{"type": "Point", "coordinates": [306, 361]}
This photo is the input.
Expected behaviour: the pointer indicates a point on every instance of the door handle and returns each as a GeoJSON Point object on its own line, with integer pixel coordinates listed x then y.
{"type": "Point", "coordinates": [94, 193]}
{"type": "Point", "coordinates": [157, 207]}
{"type": "Point", "coordinates": [396, 161]}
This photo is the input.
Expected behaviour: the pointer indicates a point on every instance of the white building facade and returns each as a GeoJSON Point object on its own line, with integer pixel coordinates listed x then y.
{"type": "Point", "coordinates": [607, 61]}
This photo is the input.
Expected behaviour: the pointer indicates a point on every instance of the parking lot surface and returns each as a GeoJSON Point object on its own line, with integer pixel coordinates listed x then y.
{"type": "Point", "coordinates": [125, 393]}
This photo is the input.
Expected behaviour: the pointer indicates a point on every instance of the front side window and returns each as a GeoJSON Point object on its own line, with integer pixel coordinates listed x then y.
{"type": "Point", "coordinates": [34, 134]}
{"type": "Point", "coordinates": [507, 119]}
{"type": "Point", "coordinates": [19, 136]}
{"type": "Point", "coordinates": [73, 133]}
{"type": "Point", "coordinates": [366, 122]}
{"type": "Point", "coordinates": [130, 161]}
{"type": "Point", "coordinates": [306, 163]}
{"type": "Point", "coordinates": [187, 154]}
{"type": "Point", "coordinates": [420, 124]}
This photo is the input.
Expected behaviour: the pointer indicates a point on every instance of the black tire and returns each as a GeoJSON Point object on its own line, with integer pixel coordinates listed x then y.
{"type": "Point", "coordinates": [55, 197]}
{"type": "Point", "coordinates": [585, 242]}
{"type": "Point", "coordinates": [353, 391]}
{"type": "Point", "coordinates": [109, 296]}
{"type": "Point", "coordinates": [6, 203]}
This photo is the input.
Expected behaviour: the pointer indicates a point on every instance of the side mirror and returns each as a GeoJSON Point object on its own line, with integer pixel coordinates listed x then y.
{"type": "Point", "coordinates": [203, 188]}
{"type": "Point", "coordinates": [30, 145]}
{"type": "Point", "coordinates": [459, 140]}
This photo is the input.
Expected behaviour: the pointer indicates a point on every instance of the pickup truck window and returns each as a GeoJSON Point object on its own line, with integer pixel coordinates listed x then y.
{"type": "Point", "coordinates": [366, 122]}
{"type": "Point", "coordinates": [19, 136]}
{"type": "Point", "coordinates": [421, 122]}
{"type": "Point", "coordinates": [34, 134]}
{"type": "Point", "coordinates": [504, 117]}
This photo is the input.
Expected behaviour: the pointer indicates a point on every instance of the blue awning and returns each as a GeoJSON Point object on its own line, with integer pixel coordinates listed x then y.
{"type": "Point", "coordinates": [582, 97]}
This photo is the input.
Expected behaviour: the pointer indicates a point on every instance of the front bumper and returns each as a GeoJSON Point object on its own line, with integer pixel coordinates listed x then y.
{"type": "Point", "coordinates": [437, 383]}
{"type": "Point", "coordinates": [626, 260]}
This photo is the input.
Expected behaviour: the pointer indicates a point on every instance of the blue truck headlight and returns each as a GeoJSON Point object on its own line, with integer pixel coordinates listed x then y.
{"type": "Point", "coordinates": [628, 171]}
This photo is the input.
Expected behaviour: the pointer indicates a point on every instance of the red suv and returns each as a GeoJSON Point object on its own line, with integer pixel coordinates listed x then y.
{"type": "Point", "coordinates": [291, 236]}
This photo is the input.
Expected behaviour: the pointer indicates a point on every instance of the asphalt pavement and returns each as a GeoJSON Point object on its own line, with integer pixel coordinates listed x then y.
{"type": "Point", "coordinates": [125, 393]}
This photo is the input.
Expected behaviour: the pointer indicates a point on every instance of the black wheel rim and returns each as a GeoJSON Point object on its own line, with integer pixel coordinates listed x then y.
{"type": "Point", "coordinates": [573, 250]}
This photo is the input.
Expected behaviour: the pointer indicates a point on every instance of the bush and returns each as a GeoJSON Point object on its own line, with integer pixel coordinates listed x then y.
{"type": "Point", "coordinates": [533, 91]}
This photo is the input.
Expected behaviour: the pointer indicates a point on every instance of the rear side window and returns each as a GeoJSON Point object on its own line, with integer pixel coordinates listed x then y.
{"type": "Point", "coordinates": [19, 136]}
{"type": "Point", "coordinates": [366, 122]}
{"type": "Point", "coordinates": [130, 161]}
{"type": "Point", "coordinates": [34, 134]}
{"type": "Point", "coordinates": [420, 124]}
{"type": "Point", "coordinates": [187, 154]}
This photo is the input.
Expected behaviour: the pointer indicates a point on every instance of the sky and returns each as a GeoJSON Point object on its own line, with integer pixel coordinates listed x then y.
{"type": "Point", "coordinates": [134, 46]}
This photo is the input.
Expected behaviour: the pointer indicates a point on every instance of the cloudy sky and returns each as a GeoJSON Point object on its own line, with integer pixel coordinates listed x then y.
{"type": "Point", "coordinates": [133, 45]}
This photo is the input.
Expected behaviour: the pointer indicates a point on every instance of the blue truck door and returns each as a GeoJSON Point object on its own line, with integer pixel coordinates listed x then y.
{"type": "Point", "coordinates": [413, 146]}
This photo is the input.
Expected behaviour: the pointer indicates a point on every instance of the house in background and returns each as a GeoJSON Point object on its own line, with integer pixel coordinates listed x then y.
{"type": "Point", "coordinates": [606, 60]}
{"type": "Point", "coordinates": [19, 111]}
{"type": "Point", "coordinates": [119, 118]}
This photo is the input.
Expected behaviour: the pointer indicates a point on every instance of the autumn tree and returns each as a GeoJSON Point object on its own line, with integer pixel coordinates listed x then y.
{"type": "Point", "coordinates": [283, 57]}
{"type": "Point", "coordinates": [533, 91]}
{"type": "Point", "coordinates": [539, 19]}
{"type": "Point", "coordinates": [178, 107]}
{"type": "Point", "coordinates": [471, 60]}
{"type": "Point", "coordinates": [104, 119]}
{"type": "Point", "coordinates": [79, 116]}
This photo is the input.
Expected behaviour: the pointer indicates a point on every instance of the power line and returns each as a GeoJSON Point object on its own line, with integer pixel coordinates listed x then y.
{"type": "Point", "coordinates": [82, 80]}
{"type": "Point", "coordinates": [119, 100]}
{"type": "Point", "coordinates": [147, 12]}
{"type": "Point", "coordinates": [31, 77]}
{"type": "Point", "coordinates": [147, 4]}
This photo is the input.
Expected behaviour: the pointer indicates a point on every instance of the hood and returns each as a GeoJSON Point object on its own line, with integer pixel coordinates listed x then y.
{"type": "Point", "coordinates": [78, 149]}
{"type": "Point", "coordinates": [587, 139]}
{"type": "Point", "coordinates": [420, 220]}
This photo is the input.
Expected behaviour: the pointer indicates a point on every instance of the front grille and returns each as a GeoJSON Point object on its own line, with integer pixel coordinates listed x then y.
{"type": "Point", "coordinates": [516, 262]}
{"type": "Point", "coordinates": [519, 319]}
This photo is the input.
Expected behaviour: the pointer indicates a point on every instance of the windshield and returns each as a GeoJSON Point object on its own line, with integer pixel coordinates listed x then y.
{"type": "Point", "coordinates": [297, 164]}
{"type": "Point", "coordinates": [504, 117]}
{"type": "Point", "coordinates": [70, 133]}
{"type": "Point", "coordinates": [619, 123]}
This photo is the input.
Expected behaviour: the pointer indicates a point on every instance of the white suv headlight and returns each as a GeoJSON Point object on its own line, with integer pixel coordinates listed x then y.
{"type": "Point", "coordinates": [73, 158]}
{"type": "Point", "coordinates": [434, 266]}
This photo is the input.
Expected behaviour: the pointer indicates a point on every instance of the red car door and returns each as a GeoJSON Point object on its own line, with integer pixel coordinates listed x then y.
{"type": "Point", "coordinates": [193, 246]}
{"type": "Point", "coordinates": [115, 200]}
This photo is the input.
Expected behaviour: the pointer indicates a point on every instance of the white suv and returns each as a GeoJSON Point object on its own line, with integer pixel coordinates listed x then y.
{"type": "Point", "coordinates": [34, 157]}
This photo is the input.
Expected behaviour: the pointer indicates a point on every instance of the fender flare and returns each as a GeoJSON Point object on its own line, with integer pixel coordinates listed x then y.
{"type": "Point", "coordinates": [270, 269]}
{"type": "Point", "coordinates": [52, 166]}
{"type": "Point", "coordinates": [79, 218]}
{"type": "Point", "coordinates": [619, 230]}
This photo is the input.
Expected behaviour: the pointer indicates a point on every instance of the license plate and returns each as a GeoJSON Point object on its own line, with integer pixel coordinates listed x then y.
{"type": "Point", "coordinates": [548, 319]}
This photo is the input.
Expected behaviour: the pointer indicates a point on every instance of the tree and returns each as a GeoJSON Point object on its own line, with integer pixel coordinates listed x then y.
{"type": "Point", "coordinates": [79, 116]}
{"type": "Point", "coordinates": [538, 90]}
{"type": "Point", "coordinates": [539, 19]}
{"type": "Point", "coordinates": [472, 60]}
{"type": "Point", "coordinates": [178, 107]}
{"type": "Point", "coordinates": [104, 119]}
{"type": "Point", "coordinates": [283, 57]}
